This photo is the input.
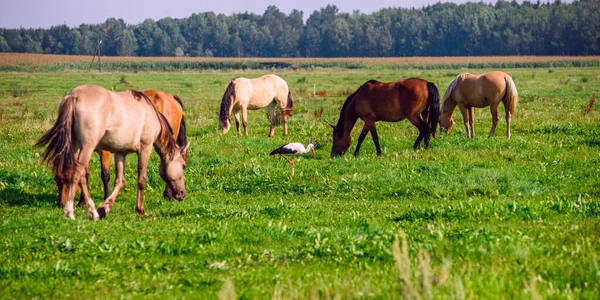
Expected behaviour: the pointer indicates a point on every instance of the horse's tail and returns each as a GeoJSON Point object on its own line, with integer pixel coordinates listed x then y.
{"type": "Point", "coordinates": [227, 100]}
{"type": "Point", "coordinates": [450, 89]}
{"type": "Point", "coordinates": [59, 140]}
{"type": "Point", "coordinates": [182, 136]}
{"type": "Point", "coordinates": [433, 101]}
{"type": "Point", "coordinates": [511, 96]}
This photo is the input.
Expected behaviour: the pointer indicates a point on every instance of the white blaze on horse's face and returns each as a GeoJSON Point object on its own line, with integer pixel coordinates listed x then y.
{"type": "Point", "coordinates": [172, 172]}
{"type": "Point", "coordinates": [224, 125]}
{"type": "Point", "coordinates": [446, 124]}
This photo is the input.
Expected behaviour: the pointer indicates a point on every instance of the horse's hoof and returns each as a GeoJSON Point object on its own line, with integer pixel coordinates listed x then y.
{"type": "Point", "coordinates": [93, 215]}
{"type": "Point", "coordinates": [102, 212]}
{"type": "Point", "coordinates": [70, 216]}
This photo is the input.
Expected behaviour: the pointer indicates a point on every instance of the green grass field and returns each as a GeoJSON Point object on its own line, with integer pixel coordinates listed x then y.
{"type": "Point", "coordinates": [486, 218]}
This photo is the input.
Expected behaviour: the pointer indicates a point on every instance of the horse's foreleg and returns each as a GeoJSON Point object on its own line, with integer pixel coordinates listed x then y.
{"type": "Point", "coordinates": [119, 184]}
{"type": "Point", "coordinates": [272, 118]}
{"type": "Point", "coordinates": [286, 117]}
{"type": "Point", "coordinates": [472, 120]}
{"type": "Point", "coordinates": [465, 115]}
{"type": "Point", "coordinates": [68, 204]}
{"type": "Point", "coordinates": [245, 120]}
{"type": "Point", "coordinates": [143, 157]}
{"type": "Point", "coordinates": [494, 111]}
{"type": "Point", "coordinates": [376, 139]}
{"type": "Point", "coordinates": [237, 122]}
{"type": "Point", "coordinates": [361, 138]}
{"type": "Point", "coordinates": [105, 171]}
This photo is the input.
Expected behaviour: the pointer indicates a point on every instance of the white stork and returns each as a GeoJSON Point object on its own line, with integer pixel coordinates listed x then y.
{"type": "Point", "coordinates": [293, 149]}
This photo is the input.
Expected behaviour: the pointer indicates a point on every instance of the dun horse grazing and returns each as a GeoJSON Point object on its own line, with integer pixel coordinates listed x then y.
{"type": "Point", "coordinates": [168, 105]}
{"type": "Point", "coordinates": [242, 94]}
{"type": "Point", "coordinates": [468, 91]}
{"type": "Point", "coordinates": [374, 101]}
{"type": "Point", "coordinates": [92, 118]}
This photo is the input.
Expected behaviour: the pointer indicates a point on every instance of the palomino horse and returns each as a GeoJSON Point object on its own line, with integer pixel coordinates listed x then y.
{"type": "Point", "coordinates": [468, 91]}
{"type": "Point", "coordinates": [374, 101]}
{"type": "Point", "coordinates": [168, 105]}
{"type": "Point", "coordinates": [92, 118]}
{"type": "Point", "coordinates": [242, 94]}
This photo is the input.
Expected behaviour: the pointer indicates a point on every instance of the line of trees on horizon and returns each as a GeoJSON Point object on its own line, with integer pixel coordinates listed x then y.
{"type": "Point", "coordinates": [442, 29]}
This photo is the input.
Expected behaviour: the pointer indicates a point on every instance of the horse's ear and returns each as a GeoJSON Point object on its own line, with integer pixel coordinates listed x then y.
{"type": "Point", "coordinates": [185, 149]}
{"type": "Point", "coordinates": [331, 126]}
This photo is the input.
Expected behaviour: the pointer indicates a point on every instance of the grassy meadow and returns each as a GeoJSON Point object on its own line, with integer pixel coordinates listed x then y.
{"type": "Point", "coordinates": [486, 218]}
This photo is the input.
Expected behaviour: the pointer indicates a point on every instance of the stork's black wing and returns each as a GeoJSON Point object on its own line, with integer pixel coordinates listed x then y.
{"type": "Point", "coordinates": [283, 150]}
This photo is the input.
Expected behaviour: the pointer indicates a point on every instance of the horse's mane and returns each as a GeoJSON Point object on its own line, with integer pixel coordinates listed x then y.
{"type": "Point", "coordinates": [166, 133]}
{"type": "Point", "coordinates": [345, 108]}
{"type": "Point", "coordinates": [182, 136]}
{"type": "Point", "coordinates": [227, 100]}
{"type": "Point", "coordinates": [450, 89]}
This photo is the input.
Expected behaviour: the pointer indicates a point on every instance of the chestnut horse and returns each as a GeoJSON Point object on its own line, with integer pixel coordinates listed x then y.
{"type": "Point", "coordinates": [468, 91]}
{"type": "Point", "coordinates": [242, 94]}
{"type": "Point", "coordinates": [168, 105]}
{"type": "Point", "coordinates": [92, 118]}
{"type": "Point", "coordinates": [374, 101]}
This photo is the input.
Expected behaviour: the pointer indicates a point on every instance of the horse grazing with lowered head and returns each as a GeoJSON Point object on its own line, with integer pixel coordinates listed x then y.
{"type": "Point", "coordinates": [169, 106]}
{"type": "Point", "coordinates": [414, 99]}
{"type": "Point", "coordinates": [468, 91]}
{"type": "Point", "coordinates": [92, 118]}
{"type": "Point", "coordinates": [242, 94]}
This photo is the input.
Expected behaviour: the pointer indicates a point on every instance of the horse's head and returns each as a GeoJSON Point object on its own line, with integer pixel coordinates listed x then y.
{"type": "Point", "coordinates": [171, 171]}
{"type": "Point", "coordinates": [224, 124]}
{"type": "Point", "coordinates": [446, 123]}
{"type": "Point", "coordinates": [341, 143]}
{"type": "Point", "coordinates": [63, 189]}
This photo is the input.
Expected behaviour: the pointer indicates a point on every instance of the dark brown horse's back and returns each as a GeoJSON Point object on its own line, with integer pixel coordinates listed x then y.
{"type": "Point", "coordinates": [391, 101]}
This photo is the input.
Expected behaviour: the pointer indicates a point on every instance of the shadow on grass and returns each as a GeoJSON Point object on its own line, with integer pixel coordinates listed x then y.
{"type": "Point", "coordinates": [17, 197]}
{"type": "Point", "coordinates": [15, 191]}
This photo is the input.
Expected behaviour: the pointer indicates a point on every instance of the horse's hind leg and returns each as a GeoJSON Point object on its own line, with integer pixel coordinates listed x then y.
{"type": "Point", "coordinates": [119, 184]}
{"type": "Point", "coordinates": [472, 120]}
{"type": "Point", "coordinates": [84, 159]}
{"type": "Point", "coordinates": [494, 111]}
{"type": "Point", "coordinates": [424, 132]}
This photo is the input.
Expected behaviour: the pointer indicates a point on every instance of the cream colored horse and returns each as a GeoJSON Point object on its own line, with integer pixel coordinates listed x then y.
{"type": "Point", "coordinates": [242, 94]}
{"type": "Point", "coordinates": [468, 91]}
{"type": "Point", "coordinates": [92, 118]}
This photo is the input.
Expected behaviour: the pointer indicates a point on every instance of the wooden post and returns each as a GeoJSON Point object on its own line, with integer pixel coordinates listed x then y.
{"type": "Point", "coordinates": [97, 52]}
{"type": "Point", "coordinates": [99, 62]}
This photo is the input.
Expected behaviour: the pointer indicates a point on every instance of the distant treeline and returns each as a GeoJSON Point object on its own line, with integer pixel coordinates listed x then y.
{"type": "Point", "coordinates": [443, 29]}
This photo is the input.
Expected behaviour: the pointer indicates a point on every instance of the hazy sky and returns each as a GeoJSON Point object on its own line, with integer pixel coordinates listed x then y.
{"type": "Point", "coordinates": [45, 13]}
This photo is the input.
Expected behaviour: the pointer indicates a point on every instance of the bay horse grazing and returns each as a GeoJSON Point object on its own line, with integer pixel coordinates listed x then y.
{"type": "Point", "coordinates": [92, 118]}
{"type": "Point", "coordinates": [242, 94]}
{"type": "Point", "coordinates": [169, 106]}
{"type": "Point", "coordinates": [414, 99]}
{"type": "Point", "coordinates": [468, 91]}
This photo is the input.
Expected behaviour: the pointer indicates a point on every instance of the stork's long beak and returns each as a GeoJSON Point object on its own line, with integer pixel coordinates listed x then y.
{"type": "Point", "coordinates": [314, 153]}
